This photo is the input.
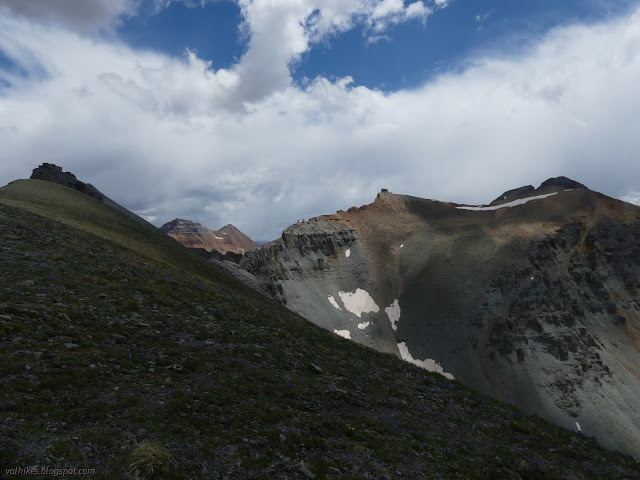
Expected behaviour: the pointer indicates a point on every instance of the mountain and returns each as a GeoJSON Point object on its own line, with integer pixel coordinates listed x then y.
{"type": "Point", "coordinates": [533, 299]}
{"type": "Point", "coordinates": [194, 235]}
{"type": "Point", "coordinates": [53, 173]}
{"type": "Point", "coordinates": [127, 353]}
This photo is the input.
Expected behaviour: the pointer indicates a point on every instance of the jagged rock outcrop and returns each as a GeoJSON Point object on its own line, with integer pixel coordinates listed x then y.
{"type": "Point", "coordinates": [54, 173]}
{"type": "Point", "coordinates": [194, 235]}
{"type": "Point", "coordinates": [535, 301]}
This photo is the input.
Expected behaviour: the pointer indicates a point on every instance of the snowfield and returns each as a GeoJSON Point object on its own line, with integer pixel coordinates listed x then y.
{"type": "Point", "coordinates": [427, 363]}
{"type": "Point", "coordinates": [515, 203]}
{"type": "Point", "coordinates": [393, 312]}
{"type": "Point", "coordinates": [333, 302]}
{"type": "Point", "coordinates": [358, 302]}
{"type": "Point", "coordinates": [343, 333]}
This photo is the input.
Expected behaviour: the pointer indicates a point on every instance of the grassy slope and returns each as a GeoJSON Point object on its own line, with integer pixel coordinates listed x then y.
{"type": "Point", "coordinates": [111, 334]}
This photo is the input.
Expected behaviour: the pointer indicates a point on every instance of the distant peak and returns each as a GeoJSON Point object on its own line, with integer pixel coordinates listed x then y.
{"type": "Point", "coordinates": [562, 182]}
{"type": "Point", "coordinates": [528, 190]}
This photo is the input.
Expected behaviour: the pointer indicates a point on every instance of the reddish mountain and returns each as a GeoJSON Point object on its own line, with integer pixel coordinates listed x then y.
{"type": "Point", "coordinates": [194, 235]}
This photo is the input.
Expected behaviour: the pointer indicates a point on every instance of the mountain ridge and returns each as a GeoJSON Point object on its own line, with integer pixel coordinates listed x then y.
{"type": "Point", "coordinates": [534, 300]}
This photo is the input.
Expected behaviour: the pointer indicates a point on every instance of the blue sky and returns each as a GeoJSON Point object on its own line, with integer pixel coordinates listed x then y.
{"type": "Point", "coordinates": [406, 56]}
{"type": "Point", "coordinates": [261, 113]}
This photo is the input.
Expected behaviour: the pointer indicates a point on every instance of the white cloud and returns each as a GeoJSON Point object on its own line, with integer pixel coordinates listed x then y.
{"type": "Point", "coordinates": [176, 138]}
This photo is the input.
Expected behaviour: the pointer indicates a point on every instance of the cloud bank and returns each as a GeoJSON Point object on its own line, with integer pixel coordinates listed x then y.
{"type": "Point", "coordinates": [174, 137]}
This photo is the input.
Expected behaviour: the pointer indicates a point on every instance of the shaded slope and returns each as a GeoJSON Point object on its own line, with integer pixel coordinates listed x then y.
{"type": "Point", "coordinates": [536, 304]}
{"type": "Point", "coordinates": [104, 347]}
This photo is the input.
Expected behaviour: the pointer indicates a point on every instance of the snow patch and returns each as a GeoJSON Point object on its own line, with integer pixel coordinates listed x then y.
{"type": "Point", "coordinates": [569, 190]}
{"type": "Point", "coordinates": [393, 312]}
{"type": "Point", "coordinates": [347, 253]}
{"type": "Point", "coordinates": [402, 246]}
{"type": "Point", "coordinates": [333, 302]}
{"type": "Point", "coordinates": [364, 325]}
{"type": "Point", "coordinates": [343, 333]}
{"type": "Point", "coordinates": [520, 201]}
{"type": "Point", "coordinates": [578, 427]}
{"type": "Point", "coordinates": [218, 238]}
{"type": "Point", "coordinates": [358, 302]}
{"type": "Point", "coordinates": [427, 363]}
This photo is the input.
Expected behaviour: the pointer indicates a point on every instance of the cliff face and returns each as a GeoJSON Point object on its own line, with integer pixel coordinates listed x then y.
{"type": "Point", "coordinates": [194, 235]}
{"type": "Point", "coordinates": [535, 301]}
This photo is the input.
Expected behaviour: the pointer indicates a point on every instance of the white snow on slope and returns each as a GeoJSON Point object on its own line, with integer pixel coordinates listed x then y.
{"type": "Point", "coordinates": [218, 238]}
{"type": "Point", "coordinates": [393, 312]}
{"type": "Point", "coordinates": [333, 302]}
{"type": "Point", "coordinates": [358, 302]}
{"type": "Point", "coordinates": [427, 363]}
{"type": "Point", "coordinates": [343, 333]}
{"type": "Point", "coordinates": [364, 325]}
{"type": "Point", "coordinates": [347, 253]}
{"type": "Point", "coordinates": [515, 203]}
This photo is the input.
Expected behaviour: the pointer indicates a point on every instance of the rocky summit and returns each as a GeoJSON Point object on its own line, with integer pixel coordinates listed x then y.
{"type": "Point", "coordinates": [534, 300]}
{"type": "Point", "coordinates": [194, 235]}
{"type": "Point", "coordinates": [53, 173]}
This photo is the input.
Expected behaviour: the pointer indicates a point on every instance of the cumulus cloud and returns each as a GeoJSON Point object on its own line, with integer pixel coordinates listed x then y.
{"type": "Point", "coordinates": [281, 31]}
{"type": "Point", "coordinates": [81, 15]}
{"type": "Point", "coordinates": [164, 136]}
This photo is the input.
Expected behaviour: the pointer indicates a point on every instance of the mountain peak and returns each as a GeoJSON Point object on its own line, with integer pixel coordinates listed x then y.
{"type": "Point", "coordinates": [529, 190]}
{"type": "Point", "coordinates": [562, 182]}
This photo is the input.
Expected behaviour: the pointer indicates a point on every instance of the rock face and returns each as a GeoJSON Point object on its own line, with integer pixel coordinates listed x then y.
{"type": "Point", "coordinates": [194, 235]}
{"type": "Point", "coordinates": [536, 302]}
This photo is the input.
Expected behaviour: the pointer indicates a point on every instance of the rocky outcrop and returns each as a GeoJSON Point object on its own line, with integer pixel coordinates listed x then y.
{"type": "Point", "coordinates": [54, 173]}
{"type": "Point", "coordinates": [534, 302]}
{"type": "Point", "coordinates": [194, 235]}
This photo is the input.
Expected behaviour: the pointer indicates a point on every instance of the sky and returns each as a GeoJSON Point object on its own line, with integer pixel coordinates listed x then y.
{"type": "Point", "coordinates": [260, 113]}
